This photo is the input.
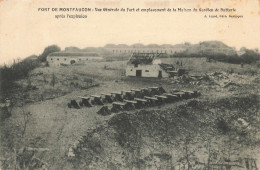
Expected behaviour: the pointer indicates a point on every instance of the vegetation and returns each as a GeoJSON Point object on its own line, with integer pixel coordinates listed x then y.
{"type": "Point", "coordinates": [47, 51]}
{"type": "Point", "coordinates": [17, 71]}
{"type": "Point", "coordinates": [248, 57]}
{"type": "Point", "coordinates": [21, 69]}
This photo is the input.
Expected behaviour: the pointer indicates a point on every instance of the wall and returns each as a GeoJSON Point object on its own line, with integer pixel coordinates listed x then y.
{"type": "Point", "coordinates": [147, 70]}
{"type": "Point", "coordinates": [58, 60]}
{"type": "Point", "coordinates": [144, 50]}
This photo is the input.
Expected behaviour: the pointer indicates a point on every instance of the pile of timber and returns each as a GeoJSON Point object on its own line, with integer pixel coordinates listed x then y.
{"type": "Point", "coordinates": [133, 99]}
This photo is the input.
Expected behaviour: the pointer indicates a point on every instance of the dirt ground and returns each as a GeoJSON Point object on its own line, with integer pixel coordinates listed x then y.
{"type": "Point", "coordinates": [54, 126]}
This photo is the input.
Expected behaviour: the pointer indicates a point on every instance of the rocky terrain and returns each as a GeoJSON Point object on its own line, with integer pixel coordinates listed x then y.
{"type": "Point", "coordinates": [219, 129]}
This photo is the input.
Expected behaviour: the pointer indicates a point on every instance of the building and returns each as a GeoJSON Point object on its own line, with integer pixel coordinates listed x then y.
{"type": "Point", "coordinates": [140, 48]}
{"type": "Point", "coordinates": [147, 65]}
{"type": "Point", "coordinates": [68, 58]}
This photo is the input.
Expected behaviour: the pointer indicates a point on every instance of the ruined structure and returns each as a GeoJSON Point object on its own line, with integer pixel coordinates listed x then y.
{"type": "Point", "coordinates": [147, 65]}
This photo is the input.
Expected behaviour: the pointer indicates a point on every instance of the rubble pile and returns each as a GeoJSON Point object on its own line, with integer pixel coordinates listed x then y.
{"type": "Point", "coordinates": [219, 79]}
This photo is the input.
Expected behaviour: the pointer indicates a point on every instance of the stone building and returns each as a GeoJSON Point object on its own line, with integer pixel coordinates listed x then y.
{"type": "Point", "coordinates": [68, 58]}
{"type": "Point", "coordinates": [147, 65]}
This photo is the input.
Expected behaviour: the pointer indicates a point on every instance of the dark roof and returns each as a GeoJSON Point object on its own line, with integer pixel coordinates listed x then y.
{"type": "Point", "coordinates": [73, 54]}
{"type": "Point", "coordinates": [142, 58]}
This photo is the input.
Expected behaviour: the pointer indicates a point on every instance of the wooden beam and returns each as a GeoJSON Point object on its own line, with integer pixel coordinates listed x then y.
{"type": "Point", "coordinates": [162, 97]}
{"type": "Point", "coordinates": [130, 101]}
{"type": "Point", "coordinates": [95, 96]}
{"type": "Point", "coordinates": [116, 93]}
{"type": "Point", "coordinates": [82, 97]}
{"type": "Point", "coordinates": [119, 103]}
{"type": "Point", "coordinates": [150, 98]}
{"type": "Point", "coordinates": [141, 100]}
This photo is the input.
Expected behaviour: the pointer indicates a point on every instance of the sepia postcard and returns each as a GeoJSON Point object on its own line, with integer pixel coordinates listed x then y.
{"type": "Point", "coordinates": [129, 84]}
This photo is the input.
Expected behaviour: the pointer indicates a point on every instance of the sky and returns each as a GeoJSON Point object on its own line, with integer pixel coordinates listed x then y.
{"type": "Point", "coordinates": [24, 30]}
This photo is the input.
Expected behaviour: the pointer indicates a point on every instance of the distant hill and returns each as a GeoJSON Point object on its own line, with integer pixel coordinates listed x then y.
{"type": "Point", "coordinates": [139, 45]}
{"type": "Point", "coordinates": [219, 51]}
{"type": "Point", "coordinates": [210, 47]}
{"type": "Point", "coordinates": [72, 49]}
{"type": "Point", "coordinates": [32, 57]}
{"type": "Point", "coordinates": [205, 47]}
{"type": "Point", "coordinates": [99, 50]}
{"type": "Point", "coordinates": [216, 50]}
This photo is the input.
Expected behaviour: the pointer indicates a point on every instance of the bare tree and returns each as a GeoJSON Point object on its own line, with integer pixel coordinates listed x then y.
{"type": "Point", "coordinates": [53, 80]}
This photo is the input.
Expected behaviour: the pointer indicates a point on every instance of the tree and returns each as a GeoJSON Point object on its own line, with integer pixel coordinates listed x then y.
{"type": "Point", "coordinates": [250, 56]}
{"type": "Point", "coordinates": [47, 51]}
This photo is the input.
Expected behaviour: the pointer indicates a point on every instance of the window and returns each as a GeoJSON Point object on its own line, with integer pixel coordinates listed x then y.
{"type": "Point", "coordinates": [65, 59]}
{"type": "Point", "coordinates": [58, 59]}
{"type": "Point", "coordinates": [51, 58]}
{"type": "Point", "coordinates": [72, 61]}
{"type": "Point", "coordinates": [146, 70]}
{"type": "Point", "coordinates": [131, 70]}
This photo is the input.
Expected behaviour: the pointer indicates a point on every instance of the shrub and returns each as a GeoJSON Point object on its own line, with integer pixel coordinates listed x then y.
{"type": "Point", "coordinates": [47, 51]}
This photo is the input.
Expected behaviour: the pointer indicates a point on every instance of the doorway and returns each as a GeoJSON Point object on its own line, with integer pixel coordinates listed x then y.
{"type": "Point", "coordinates": [160, 74]}
{"type": "Point", "coordinates": [138, 73]}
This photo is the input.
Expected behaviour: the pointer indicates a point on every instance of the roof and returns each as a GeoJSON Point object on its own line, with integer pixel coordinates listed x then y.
{"type": "Point", "coordinates": [73, 54]}
{"type": "Point", "coordinates": [153, 46]}
{"type": "Point", "coordinates": [138, 45]}
{"type": "Point", "coordinates": [122, 46]}
{"type": "Point", "coordinates": [167, 46]}
{"type": "Point", "coordinates": [167, 67]}
{"type": "Point", "coordinates": [142, 58]}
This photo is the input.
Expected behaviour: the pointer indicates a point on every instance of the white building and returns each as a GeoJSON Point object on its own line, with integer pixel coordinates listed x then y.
{"type": "Point", "coordinates": [68, 58]}
{"type": "Point", "coordinates": [147, 65]}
